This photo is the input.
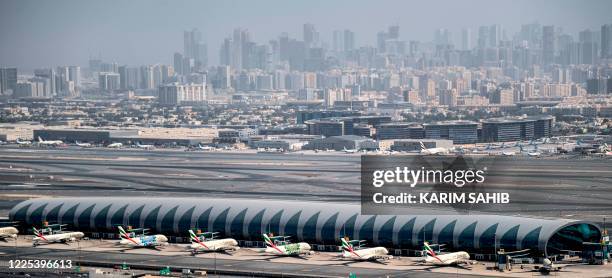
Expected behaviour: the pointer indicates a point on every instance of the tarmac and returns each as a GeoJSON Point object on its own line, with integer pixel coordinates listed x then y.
{"type": "Point", "coordinates": [567, 187]}
{"type": "Point", "coordinates": [249, 262]}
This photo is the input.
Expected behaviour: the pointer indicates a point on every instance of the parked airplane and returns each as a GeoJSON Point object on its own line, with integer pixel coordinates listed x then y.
{"type": "Point", "coordinates": [23, 143]}
{"type": "Point", "coordinates": [508, 153]}
{"type": "Point", "coordinates": [454, 258]}
{"type": "Point", "coordinates": [432, 151]}
{"type": "Point", "coordinates": [49, 142]}
{"type": "Point", "coordinates": [115, 145]}
{"type": "Point", "coordinates": [363, 254]}
{"type": "Point", "coordinates": [206, 242]}
{"type": "Point", "coordinates": [206, 148]}
{"type": "Point", "coordinates": [131, 239]}
{"type": "Point", "coordinates": [280, 246]}
{"type": "Point", "coordinates": [83, 145]}
{"type": "Point", "coordinates": [54, 236]}
{"type": "Point", "coordinates": [146, 147]}
{"type": "Point", "coordinates": [8, 232]}
{"type": "Point", "coordinates": [349, 151]}
{"type": "Point", "coordinates": [548, 266]}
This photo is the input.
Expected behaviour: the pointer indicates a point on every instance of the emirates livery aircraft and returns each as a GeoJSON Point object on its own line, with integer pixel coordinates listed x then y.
{"type": "Point", "coordinates": [455, 258]}
{"type": "Point", "coordinates": [206, 242]}
{"type": "Point", "coordinates": [280, 246]}
{"type": "Point", "coordinates": [141, 241]}
{"type": "Point", "coordinates": [54, 235]}
{"type": "Point", "coordinates": [363, 254]}
{"type": "Point", "coordinates": [8, 232]}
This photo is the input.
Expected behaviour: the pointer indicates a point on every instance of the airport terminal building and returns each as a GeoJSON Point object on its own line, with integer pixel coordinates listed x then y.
{"type": "Point", "coordinates": [321, 224]}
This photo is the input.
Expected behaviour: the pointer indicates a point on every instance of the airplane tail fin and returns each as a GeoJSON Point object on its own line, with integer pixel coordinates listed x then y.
{"type": "Point", "coordinates": [422, 145]}
{"type": "Point", "coordinates": [193, 236]}
{"type": "Point", "coordinates": [346, 246]}
{"type": "Point", "coordinates": [428, 250]}
{"type": "Point", "coordinates": [40, 139]}
{"type": "Point", "coordinates": [122, 232]}
{"type": "Point", "coordinates": [267, 240]}
{"type": "Point", "coordinates": [35, 231]}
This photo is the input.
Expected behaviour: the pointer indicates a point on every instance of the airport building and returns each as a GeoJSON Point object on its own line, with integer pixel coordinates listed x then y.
{"type": "Point", "coordinates": [83, 135]}
{"type": "Point", "coordinates": [330, 127]}
{"type": "Point", "coordinates": [460, 132]}
{"type": "Point", "coordinates": [414, 145]}
{"type": "Point", "coordinates": [339, 143]}
{"type": "Point", "coordinates": [400, 131]}
{"type": "Point", "coordinates": [317, 223]}
{"type": "Point", "coordinates": [515, 129]}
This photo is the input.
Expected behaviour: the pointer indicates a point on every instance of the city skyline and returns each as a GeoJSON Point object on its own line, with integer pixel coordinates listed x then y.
{"type": "Point", "coordinates": [139, 35]}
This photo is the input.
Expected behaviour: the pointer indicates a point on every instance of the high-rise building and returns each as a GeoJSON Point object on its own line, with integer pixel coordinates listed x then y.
{"type": "Point", "coordinates": [29, 89]}
{"type": "Point", "coordinates": [442, 37]}
{"type": "Point", "coordinates": [548, 44]}
{"type": "Point", "coordinates": [466, 39]}
{"type": "Point", "coordinates": [108, 81]}
{"type": "Point", "coordinates": [483, 37]}
{"type": "Point", "coordinates": [310, 35]}
{"type": "Point", "coordinates": [588, 46]}
{"type": "Point", "coordinates": [178, 94]}
{"type": "Point", "coordinates": [393, 33]}
{"type": "Point", "coordinates": [349, 40]}
{"type": "Point", "coordinates": [338, 41]}
{"type": "Point", "coordinates": [67, 81]}
{"type": "Point", "coordinates": [194, 49]}
{"type": "Point", "coordinates": [48, 74]}
{"type": "Point", "coordinates": [606, 41]}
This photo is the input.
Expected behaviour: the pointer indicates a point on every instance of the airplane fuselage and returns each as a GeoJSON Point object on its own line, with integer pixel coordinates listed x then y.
{"type": "Point", "coordinates": [291, 249]}
{"type": "Point", "coordinates": [365, 254]}
{"type": "Point", "coordinates": [215, 245]}
{"type": "Point", "coordinates": [145, 241]}
{"type": "Point", "coordinates": [448, 259]}
{"type": "Point", "coordinates": [61, 237]}
{"type": "Point", "coordinates": [8, 232]}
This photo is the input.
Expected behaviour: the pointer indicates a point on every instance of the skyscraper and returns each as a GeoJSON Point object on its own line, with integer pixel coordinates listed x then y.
{"type": "Point", "coordinates": [588, 46]}
{"type": "Point", "coordinates": [548, 44]}
{"type": "Point", "coordinates": [194, 49]}
{"type": "Point", "coordinates": [349, 40]}
{"type": "Point", "coordinates": [8, 80]}
{"type": "Point", "coordinates": [466, 39]}
{"type": "Point", "coordinates": [606, 41]}
{"type": "Point", "coordinates": [311, 36]}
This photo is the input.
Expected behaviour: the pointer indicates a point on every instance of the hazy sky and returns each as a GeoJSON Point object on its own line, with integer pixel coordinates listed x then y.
{"type": "Point", "coordinates": [38, 33]}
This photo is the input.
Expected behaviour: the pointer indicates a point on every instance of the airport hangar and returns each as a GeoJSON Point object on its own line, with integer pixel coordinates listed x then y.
{"type": "Point", "coordinates": [321, 224]}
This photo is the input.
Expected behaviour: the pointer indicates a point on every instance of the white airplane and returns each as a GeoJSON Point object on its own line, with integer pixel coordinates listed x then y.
{"type": "Point", "coordinates": [508, 153]}
{"type": "Point", "coordinates": [49, 142]}
{"type": "Point", "coordinates": [115, 145]}
{"type": "Point", "coordinates": [349, 151]}
{"type": "Point", "coordinates": [363, 254]}
{"type": "Point", "coordinates": [534, 153]}
{"type": "Point", "coordinates": [548, 266]}
{"type": "Point", "coordinates": [23, 143]}
{"type": "Point", "coordinates": [455, 258]}
{"type": "Point", "coordinates": [83, 145]}
{"type": "Point", "coordinates": [8, 232]}
{"type": "Point", "coordinates": [206, 242]}
{"type": "Point", "coordinates": [433, 151]}
{"type": "Point", "coordinates": [206, 148]}
{"type": "Point", "coordinates": [141, 241]}
{"type": "Point", "coordinates": [280, 246]}
{"type": "Point", "coordinates": [146, 147]}
{"type": "Point", "coordinates": [54, 236]}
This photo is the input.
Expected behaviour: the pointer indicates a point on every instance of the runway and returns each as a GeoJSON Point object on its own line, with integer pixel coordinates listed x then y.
{"type": "Point", "coordinates": [569, 187]}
